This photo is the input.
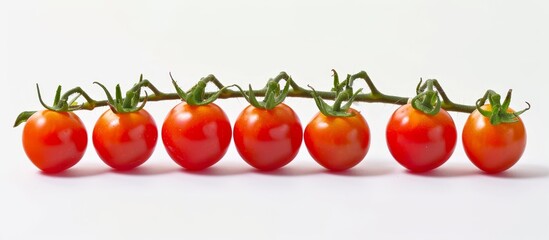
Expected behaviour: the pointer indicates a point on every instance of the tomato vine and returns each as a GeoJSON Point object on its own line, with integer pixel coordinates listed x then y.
{"type": "Point", "coordinates": [62, 103]}
{"type": "Point", "coordinates": [421, 135]}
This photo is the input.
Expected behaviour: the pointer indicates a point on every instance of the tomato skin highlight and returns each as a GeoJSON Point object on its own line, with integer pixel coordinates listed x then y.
{"type": "Point", "coordinates": [54, 141]}
{"type": "Point", "coordinates": [493, 148]}
{"type": "Point", "coordinates": [337, 143]}
{"type": "Point", "coordinates": [125, 140]}
{"type": "Point", "coordinates": [418, 141]}
{"type": "Point", "coordinates": [268, 139]}
{"type": "Point", "coordinates": [196, 137]}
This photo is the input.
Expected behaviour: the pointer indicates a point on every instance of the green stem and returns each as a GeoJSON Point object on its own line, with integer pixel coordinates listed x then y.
{"type": "Point", "coordinates": [365, 97]}
{"type": "Point", "coordinates": [375, 96]}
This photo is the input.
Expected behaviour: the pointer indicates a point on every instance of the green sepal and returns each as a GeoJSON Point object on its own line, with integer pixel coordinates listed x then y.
{"type": "Point", "coordinates": [273, 95]}
{"type": "Point", "coordinates": [427, 99]}
{"type": "Point", "coordinates": [336, 87]}
{"type": "Point", "coordinates": [128, 104]}
{"type": "Point", "coordinates": [57, 96]}
{"type": "Point", "coordinates": [196, 96]}
{"type": "Point", "coordinates": [499, 112]}
{"type": "Point", "coordinates": [178, 90]}
{"type": "Point", "coordinates": [110, 100]}
{"type": "Point", "coordinates": [351, 100]}
{"type": "Point", "coordinates": [252, 99]}
{"type": "Point", "coordinates": [118, 94]}
{"type": "Point", "coordinates": [427, 102]}
{"type": "Point", "coordinates": [23, 117]}
{"type": "Point", "coordinates": [329, 110]}
{"type": "Point", "coordinates": [73, 105]}
{"type": "Point", "coordinates": [58, 106]}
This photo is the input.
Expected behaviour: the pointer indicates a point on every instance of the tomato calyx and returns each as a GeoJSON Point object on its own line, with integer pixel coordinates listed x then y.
{"type": "Point", "coordinates": [499, 112]}
{"type": "Point", "coordinates": [130, 103]}
{"type": "Point", "coordinates": [196, 96]}
{"type": "Point", "coordinates": [61, 103]}
{"type": "Point", "coordinates": [273, 94]}
{"type": "Point", "coordinates": [343, 92]}
{"type": "Point", "coordinates": [427, 99]}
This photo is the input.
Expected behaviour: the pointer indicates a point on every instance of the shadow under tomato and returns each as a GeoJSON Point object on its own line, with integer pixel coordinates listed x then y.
{"type": "Point", "coordinates": [218, 171]}
{"type": "Point", "coordinates": [148, 170]}
{"type": "Point", "coordinates": [366, 169]}
{"type": "Point", "coordinates": [523, 172]}
{"type": "Point", "coordinates": [292, 171]}
{"type": "Point", "coordinates": [78, 172]}
{"type": "Point", "coordinates": [448, 172]}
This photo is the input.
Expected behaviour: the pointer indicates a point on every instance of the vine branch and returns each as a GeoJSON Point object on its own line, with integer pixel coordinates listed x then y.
{"type": "Point", "coordinates": [374, 96]}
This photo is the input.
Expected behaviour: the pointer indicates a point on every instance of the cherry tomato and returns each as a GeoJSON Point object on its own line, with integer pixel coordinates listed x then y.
{"type": "Point", "coordinates": [337, 143]}
{"type": "Point", "coordinates": [493, 148]}
{"type": "Point", "coordinates": [196, 137]}
{"type": "Point", "coordinates": [125, 140]}
{"type": "Point", "coordinates": [54, 141]}
{"type": "Point", "coordinates": [268, 139]}
{"type": "Point", "coordinates": [418, 141]}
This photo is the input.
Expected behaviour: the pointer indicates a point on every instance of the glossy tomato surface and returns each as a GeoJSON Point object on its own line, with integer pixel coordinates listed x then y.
{"type": "Point", "coordinates": [125, 140]}
{"type": "Point", "coordinates": [196, 137]}
{"type": "Point", "coordinates": [418, 141]}
{"type": "Point", "coordinates": [337, 143]}
{"type": "Point", "coordinates": [493, 148]}
{"type": "Point", "coordinates": [268, 139]}
{"type": "Point", "coordinates": [54, 141]}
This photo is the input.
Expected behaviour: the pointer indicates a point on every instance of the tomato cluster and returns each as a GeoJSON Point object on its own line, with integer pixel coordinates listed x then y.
{"type": "Point", "coordinates": [268, 134]}
{"type": "Point", "coordinates": [197, 137]}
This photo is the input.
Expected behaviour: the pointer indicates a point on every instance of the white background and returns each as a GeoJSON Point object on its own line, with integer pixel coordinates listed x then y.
{"type": "Point", "coordinates": [469, 46]}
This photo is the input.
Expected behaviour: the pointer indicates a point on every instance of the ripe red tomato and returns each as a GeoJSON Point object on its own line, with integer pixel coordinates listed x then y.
{"type": "Point", "coordinates": [196, 137]}
{"type": "Point", "coordinates": [125, 140]}
{"type": "Point", "coordinates": [418, 141]}
{"type": "Point", "coordinates": [54, 141]}
{"type": "Point", "coordinates": [493, 148]}
{"type": "Point", "coordinates": [268, 139]}
{"type": "Point", "coordinates": [337, 143]}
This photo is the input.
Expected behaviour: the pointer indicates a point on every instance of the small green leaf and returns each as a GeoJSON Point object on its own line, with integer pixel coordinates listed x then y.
{"type": "Point", "coordinates": [118, 94]}
{"type": "Point", "coordinates": [282, 95]}
{"type": "Point", "coordinates": [57, 96]}
{"type": "Point", "coordinates": [109, 96]}
{"type": "Point", "coordinates": [507, 101]}
{"type": "Point", "coordinates": [42, 101]}
{"type": "Point", "coordinates": [23, 117]}
{"type": "Point", "coordinates": [427, 100]}
{"type": "Point", "coordinates": [325, 108]}
{"type": "Point", "coordinates": [336, 82]}
{"type": "Point", "coordinates": [179, 91]}
{"type": "Point", "coordinates": [499, 112]}
{"type": "Point", "coordinates": [196, 94]}
{"type": "Point", "coordinates": [351, 100]}
{"type": "Point", "coordinates": [252, 99]}
{"type": "Point", "coordinates": [127, 102]}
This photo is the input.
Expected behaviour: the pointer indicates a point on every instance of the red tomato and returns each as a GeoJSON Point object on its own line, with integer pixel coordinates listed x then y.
{"type": "Point", "coordinates": [54, 141]}
{"type": "Point", "coordinates": [125, 140]}
{"type": "Point", "coordinates": [337, 143]}
{"type": "Point", "coordinates": [493, 148]}
{"type": "Point", "coordinates": [268, 139]}
{"type": "Point", "coordinates": [418, 141]}
{"type": "Point", "coordinates": [196, 137]}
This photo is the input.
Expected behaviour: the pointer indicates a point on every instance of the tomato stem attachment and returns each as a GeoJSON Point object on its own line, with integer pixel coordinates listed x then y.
{"type": "Point", "coordinates": [427, 99]}
{"type": "Point", "coordinates": [130, 103]}
{"type": "Point", "coordinates": [196, 96]}
{"type": "Point", "coordinates": [273, 96]}
{"type": "Point", "coordinates": [343, 91]}
{"type": "Point", "coordinates": [499, 112]}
